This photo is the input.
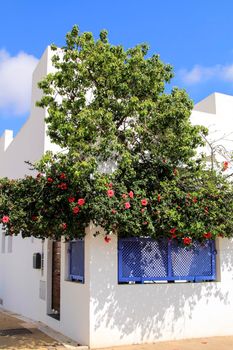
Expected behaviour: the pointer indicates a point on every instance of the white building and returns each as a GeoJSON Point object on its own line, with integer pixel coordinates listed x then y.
{"type": "Point", "coordinates": [102, 312]}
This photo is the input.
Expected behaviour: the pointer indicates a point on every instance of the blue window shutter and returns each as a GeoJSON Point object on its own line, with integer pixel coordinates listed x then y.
{"type": "Point", "coordinates": [77, 260]}
{"type": "Point", "coordinates": [145, 259]}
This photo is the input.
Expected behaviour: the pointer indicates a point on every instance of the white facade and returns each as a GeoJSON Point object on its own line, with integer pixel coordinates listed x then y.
{"type": "Point", "coordinates": [101, 312]}
{"type": "Point", "coordinates": [22, 288]}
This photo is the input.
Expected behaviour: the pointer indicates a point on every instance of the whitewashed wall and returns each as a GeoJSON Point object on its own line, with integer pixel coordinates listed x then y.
{"type": "Point", "coordinates": [216, 113]}
{"type": "Point", "coordinates": [144, 313]}
{"type": "Point", "coordinates": [20, 284]}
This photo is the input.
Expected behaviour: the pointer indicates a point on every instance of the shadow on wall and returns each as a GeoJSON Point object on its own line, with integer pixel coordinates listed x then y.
{"type": "Point", "coordinates": [147, 312]}
{"type": "Point", "coordinates": [226, 258]}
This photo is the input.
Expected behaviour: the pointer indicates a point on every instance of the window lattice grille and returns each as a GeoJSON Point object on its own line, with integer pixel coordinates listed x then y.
{"type": "Point", "coordinates": [144, 259]}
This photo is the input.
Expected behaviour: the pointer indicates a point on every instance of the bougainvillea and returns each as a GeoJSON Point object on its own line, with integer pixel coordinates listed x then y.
{"type": "Point", "coordinates": [129, 163]}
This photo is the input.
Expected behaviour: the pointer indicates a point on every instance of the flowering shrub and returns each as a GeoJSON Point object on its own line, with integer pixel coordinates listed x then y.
{"type": "Point", "coordinates": [43, 206]}
{"type": "Point", "coordinates": [194, 205]}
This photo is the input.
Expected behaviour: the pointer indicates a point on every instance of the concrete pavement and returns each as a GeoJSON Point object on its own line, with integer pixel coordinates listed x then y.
{"type": "Point", "coordinates": [213, 343]}
{"type": "Point", "coordinates": [18, 333]}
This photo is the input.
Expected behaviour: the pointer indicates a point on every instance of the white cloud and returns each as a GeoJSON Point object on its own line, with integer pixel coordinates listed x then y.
{"type": "Point", "coordinates": [15, 82]}
{"type": "Point", "coordinates": [200, 74]}
{"type": "Point", "coordinates": [227, 72]}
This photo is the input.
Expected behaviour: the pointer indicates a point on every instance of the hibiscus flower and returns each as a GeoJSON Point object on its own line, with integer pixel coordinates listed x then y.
{"type": "Point", "coordinates": [144, 202]}
{"type": "Point", "coordinates": [110, 193]}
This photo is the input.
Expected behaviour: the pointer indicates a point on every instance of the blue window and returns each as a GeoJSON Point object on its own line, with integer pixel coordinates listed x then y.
{"type": "Point", "coordinates": [77, 260]}
{"type": "Point", "coordinates": [143, 260]}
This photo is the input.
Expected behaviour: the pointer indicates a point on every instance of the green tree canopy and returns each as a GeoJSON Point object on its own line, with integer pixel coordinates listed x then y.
{"type": "Point", "coordinates": [128, 160]}
{"type": "Point", "coordinates": [113, 104]}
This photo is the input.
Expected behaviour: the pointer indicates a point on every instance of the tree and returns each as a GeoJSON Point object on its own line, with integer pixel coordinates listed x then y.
{"type": "Point", "coordinates": [129, 150]}
{"type": "Point", "coordinates": [113, 104]}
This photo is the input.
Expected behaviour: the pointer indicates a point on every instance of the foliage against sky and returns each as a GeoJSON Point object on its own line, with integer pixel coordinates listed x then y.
{"type": "Point", "coordinates": [195, 37]}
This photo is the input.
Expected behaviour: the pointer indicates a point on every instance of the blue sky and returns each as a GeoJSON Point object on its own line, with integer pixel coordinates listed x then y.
{"type": "Point", "coordinates": [194, 36]}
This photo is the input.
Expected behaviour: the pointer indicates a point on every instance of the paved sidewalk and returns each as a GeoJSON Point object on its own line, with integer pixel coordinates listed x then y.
{"type": "Point", "coordinates": [15, 333]}
{"type": "Point", "coordinates": [214, 343]}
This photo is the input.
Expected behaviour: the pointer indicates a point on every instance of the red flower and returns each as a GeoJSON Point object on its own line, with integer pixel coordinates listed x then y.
{"type": "Point", "coordinates": [225, 165]}
{"type": "Point", "coordinates": [173, 230]}
{"type": "Point", "coordinates": [5, 219]}
{"type": "Point", "coordinates": [110, 193]}
{"type": "Point", "coordinates": [49, 180]}
{"type": "Point", "coordinates": [64, 226]}
{"type": "Point", "coordinates": [107, 239]}
{"type": "Point", "coordinates": [187, 240]}
{"type": "Point", "coordinates": [71, 199]}
{"type": "Point", "coordinates": [159, 197]}
{"type": "Point", "coordinates": [124, 196]}
{"type": "Point", "coordinates": [63, 176]}
{"type": "Point", "coordinates": [207, 235]}
{"type": "Point", "coordinates": [195, 200]}
{"type": "Point", "coordinates": [142, 210]}
{"type": "Point", "coordinates": [34, 218]}
{"type": "Point", "coordinates": [81, 201]}
{"type": "Point", "coordinates": [145, 223]}
{"type": "Point", "coordinates": [127, 205]}
{"type": "Point", "coordinates": [144, 202]}
{"type": "Point", "coordinates": [113, 211]}
{"type": "Point", "coordinates": [131, 194]}
{"type": "Point", "coordinates": [206, 210]}
{"type": "Point", "coordinates": [76, 210]}
{"type": "Point", "coordinates": [62, 186]}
